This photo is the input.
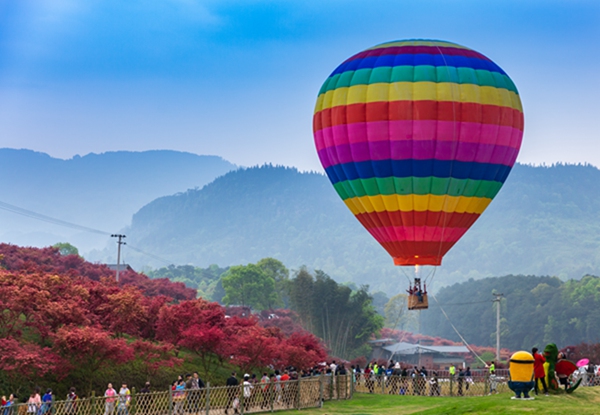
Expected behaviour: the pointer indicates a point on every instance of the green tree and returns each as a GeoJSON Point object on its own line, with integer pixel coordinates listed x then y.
{"type": "Point", "coordinates": [344, 319]}
{"type": "Point", "coordinates": [249, 285]}
{"type": "Point", "coordinates": [398, 316]}
{"type": "Point", "coordinates": [66, 248]}
{"type": "Point", "coordinates": [280, 274]}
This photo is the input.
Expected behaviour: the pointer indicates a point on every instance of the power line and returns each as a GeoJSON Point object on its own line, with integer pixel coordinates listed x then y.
{"type": "Point", "coordinates": [473, 302]}
{"type": "Point", "coordinates": [34, 215]}
{"type": "Point", "coordinates": [150, 255]}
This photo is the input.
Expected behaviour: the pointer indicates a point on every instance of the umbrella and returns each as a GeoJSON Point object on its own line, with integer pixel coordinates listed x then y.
{"type": "Point", "coordinates": [582, 362]}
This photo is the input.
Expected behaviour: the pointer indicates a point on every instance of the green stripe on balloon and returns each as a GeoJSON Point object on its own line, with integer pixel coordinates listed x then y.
{"type": "Point", "coordinates": [417, 185]}
{"type": "Point", "coordinates": [424, 73]}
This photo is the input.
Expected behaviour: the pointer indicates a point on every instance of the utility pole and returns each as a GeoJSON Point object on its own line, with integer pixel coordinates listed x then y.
{"type": "Point", "coordinates": [497, 301]}
{"type": "Point", "coordinates": [119, 243]}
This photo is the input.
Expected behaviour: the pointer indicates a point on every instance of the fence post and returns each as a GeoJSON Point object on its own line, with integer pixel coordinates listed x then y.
{"type": "Point", "coordinates": [133, 409]}
{"type": "Point", "coordinates": [451, 384]}
{"type": "Point", "coordinates": [321, 391]}
{"type": "Point", "coordinates": [207, 398]}
{"type": "Point", "coordinates": [170, 401]}
{"type": "Point", "coordinates": [485, 384]}
{"type": "Point", "coordinates": [298, 393]}
{"type": "Point", "coordinates": [93, 402]}
{"type": "Point", "coordinates": [272, 388]}
{"type": "Point", "coordinates": [242, 398]}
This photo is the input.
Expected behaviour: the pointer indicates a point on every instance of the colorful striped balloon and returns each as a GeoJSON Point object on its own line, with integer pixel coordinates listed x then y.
{"type": "Point", "coordinates": [417, 137]}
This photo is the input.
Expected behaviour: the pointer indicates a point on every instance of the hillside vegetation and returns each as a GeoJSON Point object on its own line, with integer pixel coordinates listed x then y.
{"type": "Point", "coordinates": [535, 311]}
{"type": "Point", "coordinates": [544, 221]}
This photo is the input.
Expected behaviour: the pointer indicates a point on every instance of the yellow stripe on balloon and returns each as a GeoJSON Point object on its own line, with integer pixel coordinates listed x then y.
{"type": "Point", "coordinates": [418, 91]}
{"type": "Point", "coordinates": [419, 203]}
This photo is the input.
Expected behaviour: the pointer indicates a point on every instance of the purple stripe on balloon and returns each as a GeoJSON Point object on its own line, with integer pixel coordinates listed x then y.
{"type": "Point", "coordinates": [418, 130]}
{"type": "Point", "coordinates": [417, 150]}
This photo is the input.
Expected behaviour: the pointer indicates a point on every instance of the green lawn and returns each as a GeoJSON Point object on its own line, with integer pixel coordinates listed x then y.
{"type": "Point", "coordinates": [583, 401]}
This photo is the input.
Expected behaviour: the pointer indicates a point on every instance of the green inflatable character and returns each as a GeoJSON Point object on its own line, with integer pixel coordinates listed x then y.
{"type": "Point", "coordinates": [559, 367]}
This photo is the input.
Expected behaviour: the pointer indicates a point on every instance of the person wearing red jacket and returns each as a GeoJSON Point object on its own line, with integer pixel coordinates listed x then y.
{"type": "Point", "coordinates": [538, 370]}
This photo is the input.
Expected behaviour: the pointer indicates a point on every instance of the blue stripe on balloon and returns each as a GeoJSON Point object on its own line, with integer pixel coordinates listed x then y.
{"type": "Point", "coordinates": [417, 60]}
{"type": "Point", "coordinates": [418, 168]}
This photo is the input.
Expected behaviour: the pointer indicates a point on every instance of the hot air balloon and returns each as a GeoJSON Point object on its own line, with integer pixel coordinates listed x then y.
{"type": "Point", "coordinates": [417, 137]}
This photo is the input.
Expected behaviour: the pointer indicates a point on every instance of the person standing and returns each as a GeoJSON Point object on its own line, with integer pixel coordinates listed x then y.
{"type": "Point", "coordinates": [124, 399]}
{"type": "Point", "coordinates": [109, 400]}
{"type": "Point", "coordinates": [468, 377]}
{"type": "Point", "coordinates": [539, 373]}
{"type": "Point", "coordinates": [264, 389]}
{"type": "Point", "coordinates": [34, 403]}
{"type": "Point", "coordinates": [232, 384]}
{"type": "Point", "coordinates": [71, 404]}
{"type": "Point", "coordinates": [461, 379]}
{"type": "Point", "coordinates": [8, 405]}
{"type": "Point", "coordinates": [247, 390]}
{"type": "Point", "coordinates": [47, 402]}
{"type": "Point", "coordinates": [285, 388]}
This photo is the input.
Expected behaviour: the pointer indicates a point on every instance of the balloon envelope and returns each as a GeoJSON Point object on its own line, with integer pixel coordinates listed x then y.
{"type": "Point", "coordinates": [417, 138]}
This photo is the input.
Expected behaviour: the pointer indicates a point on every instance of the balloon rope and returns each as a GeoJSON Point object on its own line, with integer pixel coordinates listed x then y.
{"type": "Point", "coordinates": [407, 277]}
{"type": "Point", "coordinates": [456, 330]}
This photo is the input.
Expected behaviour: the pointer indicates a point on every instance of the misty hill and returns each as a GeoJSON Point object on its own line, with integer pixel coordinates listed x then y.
{"type": "Point", "coordinates": [535, 311]}
{"type": "Point", "coordinates": [100, 191]}
{"type": "Point", "coordinates": [545, 221]}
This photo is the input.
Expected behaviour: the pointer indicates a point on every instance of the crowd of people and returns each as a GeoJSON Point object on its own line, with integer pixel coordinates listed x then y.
{"type": "Point", "coordinates": [186, 392]}
{"type": "Point", "coordinates": [403, 379]}
{"type": "Point", "coordinates": [275, 388]}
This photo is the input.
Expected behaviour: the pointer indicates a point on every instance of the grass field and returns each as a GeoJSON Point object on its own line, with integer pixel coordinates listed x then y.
{"type": "Point", "coordinates": [583, 401]}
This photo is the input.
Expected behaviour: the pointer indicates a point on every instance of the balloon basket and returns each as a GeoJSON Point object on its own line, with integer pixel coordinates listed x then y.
{"type": "Point", "coordinates": [416, 303]}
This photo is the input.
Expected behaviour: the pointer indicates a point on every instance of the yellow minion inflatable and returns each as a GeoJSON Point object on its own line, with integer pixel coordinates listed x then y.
{"type": "Point", "coordinates": [521, 374]}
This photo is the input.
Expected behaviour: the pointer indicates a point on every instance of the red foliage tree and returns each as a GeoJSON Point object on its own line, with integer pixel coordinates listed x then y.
{"type": "Point", "coordinates": [199, 326]}
{"type": "Point", "coordinates": [285, 320]}
{"type": "Point", "coordinates": [302, 350]}
{"type": "Point", "coordinates": [154, 356]}
{"type": "Point", "coordinates": [580, 351]}
{"type": "Point", "coordinates": [124, 312]}
{"type": "Point", "coordinates": [255, 347]}
{"type": "Point", "coordinates": [20, 360]}
{"type": "Point", "coordinates": [89, 349]}
{"type": "Point", "coordinates": [50, 261]}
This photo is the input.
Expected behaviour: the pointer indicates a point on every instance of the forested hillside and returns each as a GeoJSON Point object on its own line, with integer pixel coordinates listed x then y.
{"type": "Point", "coordinates": [100, 191]}
{"type": "Point", "coordinates": [535, 311]}
{"type": "Point", "coordinates": [545, 221]}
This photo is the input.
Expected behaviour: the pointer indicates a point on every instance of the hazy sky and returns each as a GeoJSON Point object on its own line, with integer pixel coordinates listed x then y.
{"type": "Point", "coordinates": [239, 79]}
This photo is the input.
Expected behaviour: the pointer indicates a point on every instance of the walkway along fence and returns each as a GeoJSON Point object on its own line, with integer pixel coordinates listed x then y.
{"type": "Point", "coordinates": [294, 394]}
{"type": "Point", "coordinates": [431, 385]}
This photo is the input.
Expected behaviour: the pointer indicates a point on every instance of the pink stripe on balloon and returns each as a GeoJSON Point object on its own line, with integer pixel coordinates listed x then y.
{"type": "Point", "coordinates": [417, 234]}
{"type": "Point", "coordinates": [418, 131]}
{"type": "Point", "coordinates": [417, 150]}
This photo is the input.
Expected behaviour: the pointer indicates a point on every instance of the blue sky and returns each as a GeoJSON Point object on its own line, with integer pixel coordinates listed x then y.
{"type": "Point", "coordinates": [239, 78]}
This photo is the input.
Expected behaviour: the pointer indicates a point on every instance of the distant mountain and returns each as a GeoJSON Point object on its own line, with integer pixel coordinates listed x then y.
{"type": "Point", "coordinates": [545, 221]}
{"type": "Point", "coordinates": [101, 191]}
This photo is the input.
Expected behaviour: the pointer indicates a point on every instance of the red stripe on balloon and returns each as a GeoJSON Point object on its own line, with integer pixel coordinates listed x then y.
{"type": "Point", "coordinates": [418, 110]}
{"type": "Point", "coordinates": [415, 218]}
{"type": "Point", "coordinates": [417, 233]}
{"type": "Point", "coordinates": [411, 253]}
